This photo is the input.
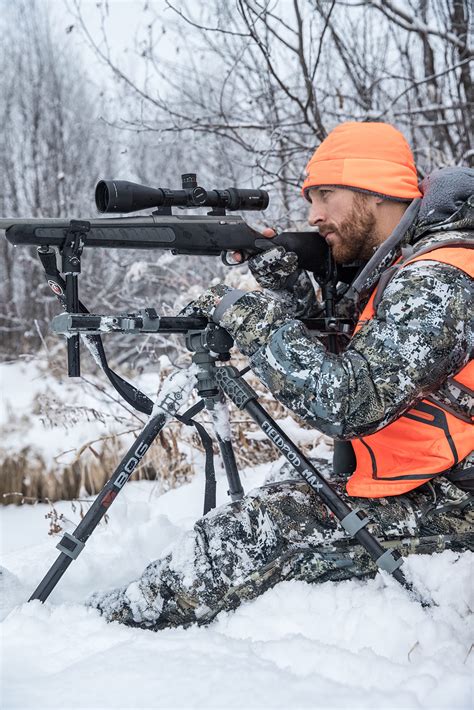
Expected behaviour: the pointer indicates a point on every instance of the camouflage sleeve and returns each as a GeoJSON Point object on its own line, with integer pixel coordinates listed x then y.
{"type": "Point", "coordinates": [421, 334]}
{"type": "Point", "coordinates": [347, 308]}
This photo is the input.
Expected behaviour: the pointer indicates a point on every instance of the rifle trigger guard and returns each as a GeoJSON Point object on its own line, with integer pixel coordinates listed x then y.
{"type": "Point", "coordinates": [224, 259]}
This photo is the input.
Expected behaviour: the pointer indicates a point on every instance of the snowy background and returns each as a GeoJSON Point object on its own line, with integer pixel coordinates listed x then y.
{"type": "Point", "coordinates": [240, 91]}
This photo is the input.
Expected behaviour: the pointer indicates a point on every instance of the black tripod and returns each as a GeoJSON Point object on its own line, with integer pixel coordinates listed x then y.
{"type": "Point", "coordinates": [209, 345]}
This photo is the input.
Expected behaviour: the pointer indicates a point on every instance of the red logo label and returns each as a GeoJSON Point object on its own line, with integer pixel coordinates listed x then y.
{"type": "Point", "coordinates": [55, 288]}
{"type": "Point", "coordinates": [108, 499]}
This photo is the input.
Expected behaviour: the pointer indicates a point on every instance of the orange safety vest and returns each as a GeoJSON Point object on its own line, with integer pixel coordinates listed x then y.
{"type": "Point", "coordinates": [427, 439]}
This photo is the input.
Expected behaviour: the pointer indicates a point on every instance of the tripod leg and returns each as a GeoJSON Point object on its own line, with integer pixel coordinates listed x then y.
{"type": "Point", "coordinates": [71, 546]}
{"type": "Point", "coordinates": [354, 522]}
{"type": "Point", "coordinates": [176, 389]}
{"type": "Point", "coordinates": [219, 411]}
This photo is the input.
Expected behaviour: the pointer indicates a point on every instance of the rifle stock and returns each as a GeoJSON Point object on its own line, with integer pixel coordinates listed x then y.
{"type": "Point", "coordinates": [189, 234]}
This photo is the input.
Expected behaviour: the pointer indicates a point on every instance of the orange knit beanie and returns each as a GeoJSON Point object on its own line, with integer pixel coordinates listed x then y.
{"type": "Point", "coordinates": [366, 156]}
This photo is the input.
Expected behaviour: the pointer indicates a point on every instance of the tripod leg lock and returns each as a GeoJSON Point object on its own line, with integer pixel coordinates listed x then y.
{"type": "Point", "coordinates": [389, 561]}
{"type": "Point", "coordinates": [354, 521]}
{"type": "Point", "coordinates": [70, 545]}
{"type": "Point", "coordinates": [230, 382]}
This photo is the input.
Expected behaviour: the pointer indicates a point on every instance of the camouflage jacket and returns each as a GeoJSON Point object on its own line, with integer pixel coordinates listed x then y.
{"type": "Point", "coordinates": [421, 334]}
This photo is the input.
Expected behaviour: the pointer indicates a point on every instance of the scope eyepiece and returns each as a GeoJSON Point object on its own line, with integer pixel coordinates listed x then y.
{"type": "Point", "coordinates": [123, 196]}
{"type": "Point", "coordinates": [247, 199]}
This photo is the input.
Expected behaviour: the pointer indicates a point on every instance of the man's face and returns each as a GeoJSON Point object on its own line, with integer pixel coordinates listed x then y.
{"type": "Point", "coordinates": [347, 220]}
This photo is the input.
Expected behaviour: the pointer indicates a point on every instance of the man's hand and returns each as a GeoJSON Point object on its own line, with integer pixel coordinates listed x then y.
{"type": "Point", "coordinates": [250, 317]}
{"type": "Point", "coordinates": [268, 233]}
{"type": "Point", "coordinates": [207, 302]}
{"type": "Point", "coordinates": [272, 269]}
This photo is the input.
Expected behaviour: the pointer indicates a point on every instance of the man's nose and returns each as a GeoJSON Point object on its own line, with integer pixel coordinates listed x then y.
{"type": "Point", "coordinates": [316, 214]}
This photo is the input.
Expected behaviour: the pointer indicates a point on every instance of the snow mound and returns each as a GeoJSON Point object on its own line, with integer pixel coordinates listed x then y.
{"type": "Point", "coordinates": [351, 644]}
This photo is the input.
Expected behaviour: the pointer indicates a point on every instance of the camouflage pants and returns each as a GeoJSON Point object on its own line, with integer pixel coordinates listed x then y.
{"type": "Point", "coordinates": [282, 531]}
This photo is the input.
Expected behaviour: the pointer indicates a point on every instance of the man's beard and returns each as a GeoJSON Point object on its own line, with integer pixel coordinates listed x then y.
{"type": "Point", "coordinates": [356, 235]}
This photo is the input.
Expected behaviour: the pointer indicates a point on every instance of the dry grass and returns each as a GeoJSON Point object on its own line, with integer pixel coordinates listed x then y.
{"type": "Point", "coordinates": [172, 460]}
{"type": "Point", "coordinates": [25, 478]}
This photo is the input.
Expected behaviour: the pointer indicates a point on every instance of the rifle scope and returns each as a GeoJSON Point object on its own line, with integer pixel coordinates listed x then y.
{"type": "Point", "coordinates": [123, 196]}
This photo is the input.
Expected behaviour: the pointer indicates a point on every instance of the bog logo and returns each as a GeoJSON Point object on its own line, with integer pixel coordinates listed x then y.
{"type": "Point", "coordinates": [130, 464]}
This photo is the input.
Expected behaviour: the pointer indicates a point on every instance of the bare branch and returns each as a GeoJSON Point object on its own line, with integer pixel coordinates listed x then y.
{"type": "Point", "coordinates": [419, 83]}
{"type": "Point", "coordinates": [413, 24]}
{"type": "Point", "coordinates": [202, 27]}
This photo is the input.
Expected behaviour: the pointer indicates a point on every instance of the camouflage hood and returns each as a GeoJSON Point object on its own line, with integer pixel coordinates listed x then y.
{"type": "Point", "coordinates": [448, 202]}
{"type": "Point", "coordinates": [447, 205]}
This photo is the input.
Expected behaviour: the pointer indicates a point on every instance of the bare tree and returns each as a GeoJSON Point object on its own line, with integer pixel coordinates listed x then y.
{"type": "Point", "coordinates": [266, 79]}
{"type": "Point", "coordinates": [53, 148]}
{"type": "Point", "coordinates": [49, 154]}
{"type": "Point", "coordinates": [253, 87]}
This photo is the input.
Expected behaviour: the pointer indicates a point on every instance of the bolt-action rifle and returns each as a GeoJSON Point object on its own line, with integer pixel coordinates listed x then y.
{"type": "Point", "coordinates": [215, 234]}
{"type": "Point", "coordinates": [212, 235]}
{"type": "Point", "coordinates": [209, 344]}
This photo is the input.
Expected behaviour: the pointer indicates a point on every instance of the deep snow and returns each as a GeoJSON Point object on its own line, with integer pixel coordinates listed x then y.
{"type": "Point", "coordinates": [349, 644]}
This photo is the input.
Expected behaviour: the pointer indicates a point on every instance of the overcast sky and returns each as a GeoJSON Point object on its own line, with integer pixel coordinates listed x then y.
{"type": "Point", "coordinates": [126, 21]}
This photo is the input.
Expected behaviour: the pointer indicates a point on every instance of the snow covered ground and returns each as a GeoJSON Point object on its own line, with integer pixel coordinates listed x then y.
{"type": "Point", "coordinates": [346, 645]}
{"type": "Point", "coordinates": [351, 644]}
